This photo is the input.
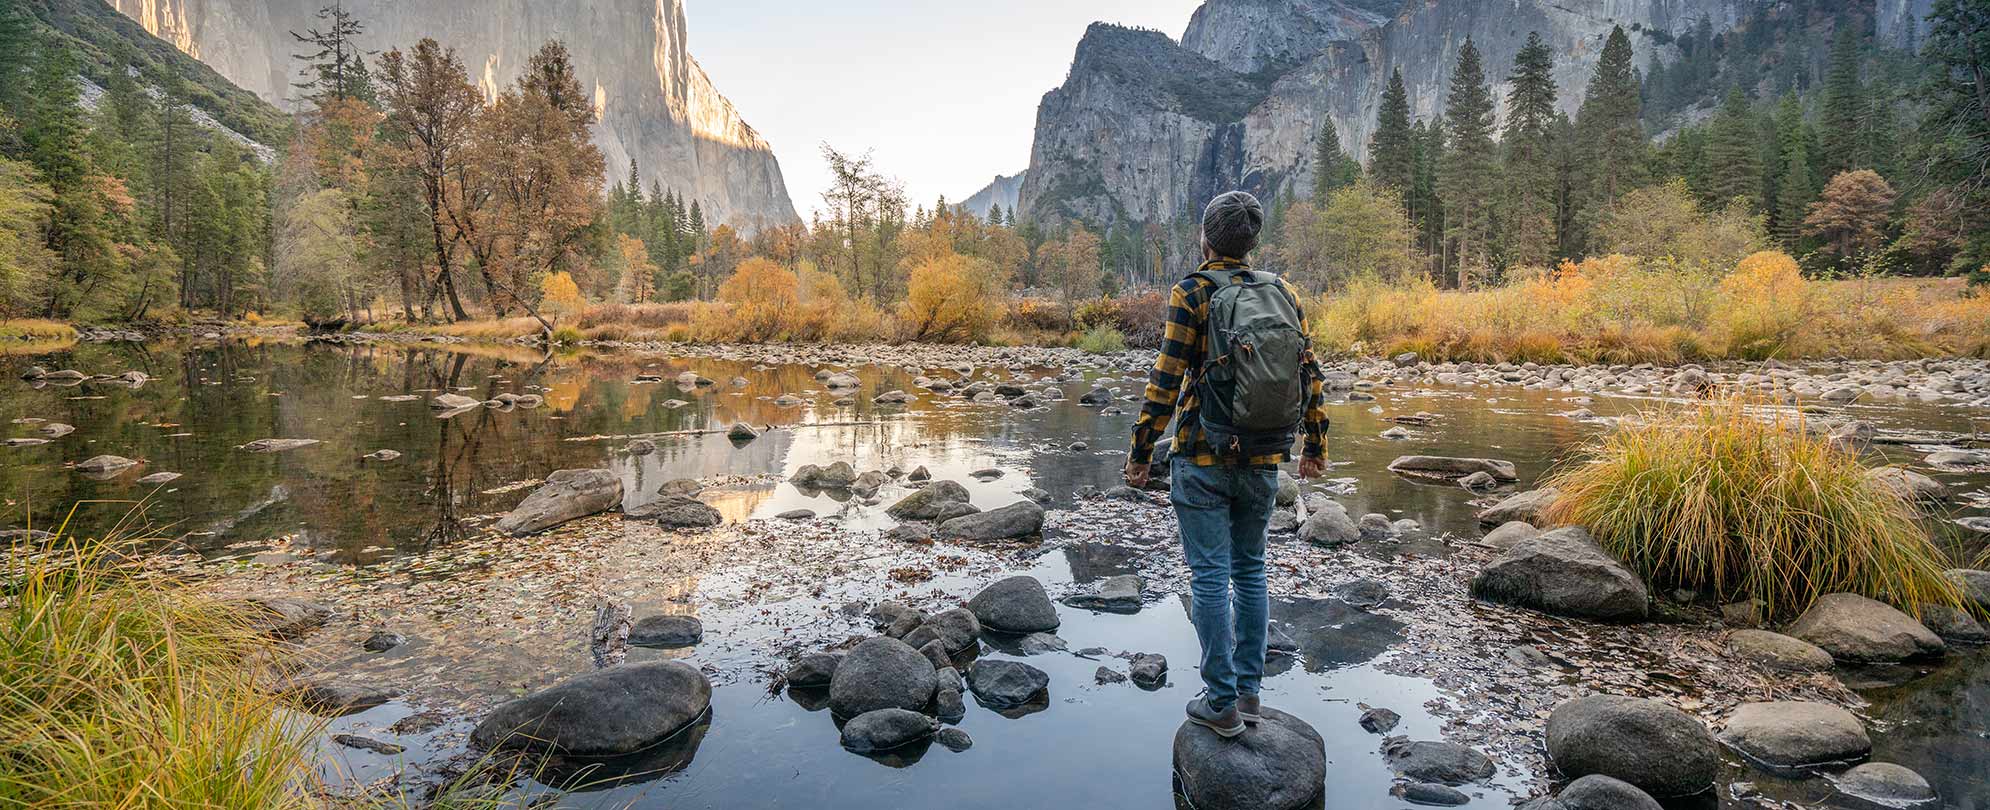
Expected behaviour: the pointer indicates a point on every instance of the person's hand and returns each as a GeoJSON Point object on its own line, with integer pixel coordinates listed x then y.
{"type": "Point", "coordinates": [1137, 474]}
{"type": "Point", "coordinates": [1312, 467]}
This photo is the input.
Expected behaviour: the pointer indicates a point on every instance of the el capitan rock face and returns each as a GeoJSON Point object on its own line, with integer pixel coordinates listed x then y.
{"type": "Point", "coordinates": [656, 104]}
{"type": "Point", "coordinates": [1146, 129]}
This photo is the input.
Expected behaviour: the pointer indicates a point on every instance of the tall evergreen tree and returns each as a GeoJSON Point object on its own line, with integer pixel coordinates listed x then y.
{"type": "Point", "coordinates": [1611, 146]}
{"type": "Point", "coordinates": [1332, 168]}
{"type": "Point", "coordinates": [1843, 109]}
{"type": "Point", "coordinates": [1468, 175]}
{"type": "Point", "coordinates": [1733, 154]}
{"type": "Point", "coordinates": [1796, 186]}
{"type": "Point", "coordinates": [334, 68]}
{"type": "Point", "coordinates": [1531, 176]}
{"type": "Point", "coordinates": [1427, 152]}
{"type": "Point", "coordinates": [1391, 152]}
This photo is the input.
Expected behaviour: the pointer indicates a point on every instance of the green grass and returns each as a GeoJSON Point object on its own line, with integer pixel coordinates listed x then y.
{"type": "Point", "coordinates": [1741, 501]}
{"type": "Point", "coordinates": [1102, 340]}
{"type": "Point", "coordinates": [117, 693]}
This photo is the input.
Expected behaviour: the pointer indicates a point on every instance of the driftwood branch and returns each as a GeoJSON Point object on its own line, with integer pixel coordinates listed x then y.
{"type": "Point", "coordinates": [601, 437]}
{"type": "Point", "coordinates": [610, 639]}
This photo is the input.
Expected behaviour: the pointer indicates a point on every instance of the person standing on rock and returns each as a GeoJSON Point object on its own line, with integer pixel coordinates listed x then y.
{"type": "Point", "coordinates": [1238, 369]}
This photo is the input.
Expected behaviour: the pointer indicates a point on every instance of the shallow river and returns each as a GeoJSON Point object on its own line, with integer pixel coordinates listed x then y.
{"type": "Point", "coordinates": [1091, 746]}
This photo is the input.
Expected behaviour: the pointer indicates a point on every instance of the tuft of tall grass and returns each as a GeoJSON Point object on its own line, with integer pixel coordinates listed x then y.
{"type": "Point", "coordinates": [1102, 339]}
{"type": "Point", "coordinates": [1741, 501]}
{"type": "Point", "coordinates": [116, 693]}
{"type": "Point", "coordinates": [36, 329]}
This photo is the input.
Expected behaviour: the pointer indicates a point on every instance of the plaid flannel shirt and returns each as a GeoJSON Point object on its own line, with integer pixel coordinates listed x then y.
{"type": "Point", "coordinates": [1171, 387]}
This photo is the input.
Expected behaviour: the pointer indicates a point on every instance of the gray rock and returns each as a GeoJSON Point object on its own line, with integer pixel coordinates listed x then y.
{"type": "Point", "coordinates": [283, 618]}
{"type": "Point", "coordinates": [1778, 652]}
{"type": "Point", "coordinates": [1853, 628]}
{"type": "Point", "coordinates": [1566, 573]}
{"type": "Point", "coordinates": [1526, 507]}
{"type": "Point", "coordinates": [673, 512]}
{"type": "Point", "coordinates": [1450, 468]}
{"type": "Point", "coordinates": [640, 447]}
{"type": "Point", "coordinates": [1329, 526]}
{"type": "Point", "coordinates": [881, 673]}
{"type": "Point", "coordinates": [954, 740]}
{"type": "Point", "coordinates": [681, 487]}
{"type": "Point", "coordinates": [1975, 586]}
{"type": "Point", "coordinates": [1446, 763]}
{"type": "Point", "coordinates": [1001, 685]}
{"type": "Point", "coordinates": [1379, 720]}
{"type": "Point", "coordinates": [1148, 670]}
{"type": "Point", "coordinates": [1955, 626]}
{"type": "Point", "coordinates": [955, 629]}
{"type": "Point", "coordinates": [566, 495]}
{"type": "Point", "coordinates": [1907, 484]}
{"type": "Point", "coordinates": [1279, 765]}
{"type": "Point", "coordinates": [1599, 792]}
{"type": "Point", "coordinates": [382, 641]}
{"type": "Point", "coordinates": [385, 749]}
{"type": "Point", "coordinates": [952, 509]}
{"type": "Point", "coordinates": [1107, 675]}
{"type": "Point", "coordinates": [1657, 748]}
{"type": "Point", "coordinates": [1017, 604]}
{"type": "Point", "coordinates": [885, 729]}
{"type": "Point", "coordinates": [1362, 593]}
{"type": "Point", "coordinates": [158, 478]}
{"type": "Point", "coordinates": [1016, 521]}
{"type": "Point", "coordinates": [926, 503]}
{"type": "Point", "coordinates": [1796, 734]}
{"type": "Point", "coordinates": [1429, 794]}
{"type": "Point", "coordinates": [1477, 482]}
{"type": "Point", "coordinates": [1511, 533]}
{"type": "Point", "coordinates": [796, 514]}
{"type": "Point", "coordinates": [618, 710]}
{"type": "Point", "coordinates": [105, 465]}
{"type": "Point", "coordinates": [1115, 594]}
{"type": "Point", "coordinates": [1886, 784]}
{"type": "Point", "coordinates": [332, 698]}
{"type": "Point", "coordinates": [1041, 643]}
{"type": "Point", "coordinates": [935, 651]}
{"type": "Point", "coordinates": [911, 533]}
{"type": "Point", "coordinates": [667, 632]}
{"type": "Point", "coordinates": [814, 669]}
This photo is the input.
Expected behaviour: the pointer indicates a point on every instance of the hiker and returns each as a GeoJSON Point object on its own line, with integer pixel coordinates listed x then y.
{"type": "Point", "coordinates": [1237, 365]}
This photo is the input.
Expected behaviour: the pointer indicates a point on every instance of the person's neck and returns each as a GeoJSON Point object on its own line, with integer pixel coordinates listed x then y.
{"type": "Point", "coordinates": [1209, 259]}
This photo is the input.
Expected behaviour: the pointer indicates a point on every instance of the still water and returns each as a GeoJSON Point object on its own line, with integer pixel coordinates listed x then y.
{"type": "Point", "coordinates": [1092, 746]}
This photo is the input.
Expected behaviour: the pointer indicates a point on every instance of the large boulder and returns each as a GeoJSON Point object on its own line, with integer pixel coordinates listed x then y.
{"type": "Point", "coordinates": [1001, 685]}
{"type": "Point", "coordinates": [618, 710]}
{"type": "Point", "coordinates": [885, 729]}
{"type": "Point", "coordinates": [1778, 652]}
{"type": "Point", "coordinates": [926, 503]}
{"type": "Point", "coordinates": [1599, 792]}
{"type": "Point", "coordinates": [1658, 748]}
{"type": "Point", "coordinates": [1279, 765]}
{"type": "Point", "coordinates": [1853, 628]}
{"type": "Point", "coordinates": [1013, 522]}
{"type": "Point", "coordinates": [1447, 467]}
{"type": "Point", "coordinates": [1954, 625]}
{"type": "Point", "coordinates": [1797, 734]}
{"type": "Point", "coordinates": [1017, 604]}
{"type": "Point", "coordinates": [1510, 533]}
{"type": "Point", "coordinates": [566, 495]}
{"type": "Point", "coordinates": [881, 673]}
{"type": "Point", "coordinates": [1566, 573]}
{"type": "Point", "coordinates": [1526, 507]}
{"type": "Point", "coordinates": [1445, 763]}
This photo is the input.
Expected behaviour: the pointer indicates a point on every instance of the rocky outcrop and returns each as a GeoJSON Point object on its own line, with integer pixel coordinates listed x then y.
{"type": "Point", "coordinates": [1002, 191]}
{"type": "Point", "coordinates": [655, 103]}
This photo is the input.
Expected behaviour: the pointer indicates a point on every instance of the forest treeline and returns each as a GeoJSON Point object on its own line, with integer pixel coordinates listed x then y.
{"type": "Point", "coordinates": [408, 193]}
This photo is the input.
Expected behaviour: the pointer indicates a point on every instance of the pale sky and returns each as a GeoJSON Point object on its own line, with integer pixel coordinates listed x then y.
{"type": "Point", "coordinates": [944, 92]}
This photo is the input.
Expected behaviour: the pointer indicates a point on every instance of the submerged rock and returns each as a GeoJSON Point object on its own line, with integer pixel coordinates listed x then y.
{"type": "Point", "coordinates": [566, 495]}
{"type": "Point", "coordinates": [159, 478]}
{"type": "Point", "coordinates": [1279, 765]}
{"type": "Point", "coordinates": [283, 618]}
{"type": "Point", "coordinates": [1001, 685]}
{"type": "Point", "coordinates": [1657, 748]}
{"type": "Point", "coordinates": [452, 402]}
{"type": "Point", "coordinates": [1429, 794]}
{"type": "Point", "coordinates": [1017, 605]}
{"type": "Point", "coordinates": [881, 673]}
{"type": "Point", "coordinates": [667, 631]}
{"type": "Point", "coordinates": [814, 669]}
{"type": "Point", "coordinates": [1853, 628]}
{"type": "Point", "coordinates": [1796, 734]}
{"type": "Point", "coordinates": [1446, 763]}
{"type": "Point", "coordinates": [618, 710]}
{"type": "Point", "coordinates": [1115, 594]}
{"type": "Point", "coordinates": [885, 729]}
{"type": "Point", "coordinates": [277, 445]}
{"type": "Point", "coordinates": [1599, 792]}
{"type": "Point", "coordinates": [1379, 720]}
{"type": "Point", "coordinates": [1566, 573]}
{"type": "Point", "coordinates": [331, 698]}
{"type": "Point", "coordinates": [105, 465]}
{"type": "Point", "coordinates": [1449, 467]}
{"type": "Point", "coordinates": [1886, 784]}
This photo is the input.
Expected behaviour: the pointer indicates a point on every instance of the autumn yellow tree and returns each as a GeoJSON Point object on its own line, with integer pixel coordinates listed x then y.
{"type": "Point", "coordinates": [638, 282]}
{"type": "Point", "coordinates": [952, 299]}
{"type": "Point", "coordinates": [761, 295]}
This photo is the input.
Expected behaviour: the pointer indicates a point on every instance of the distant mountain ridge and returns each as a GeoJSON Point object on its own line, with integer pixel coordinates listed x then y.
{"type": "Point", "coordinates": [657, 105]}
{"type": "Point", "coordinates": [1001, 191]}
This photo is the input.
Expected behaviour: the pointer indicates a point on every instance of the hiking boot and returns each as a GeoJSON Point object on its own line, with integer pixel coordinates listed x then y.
{"type": "Point", "coordinates": [1247, 708]}
{"type": "Point", "coordinates": [1225, 723]}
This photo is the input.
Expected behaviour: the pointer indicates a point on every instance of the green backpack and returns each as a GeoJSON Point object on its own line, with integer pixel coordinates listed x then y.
{"type": "Point", "coordinates": [1252, 388]}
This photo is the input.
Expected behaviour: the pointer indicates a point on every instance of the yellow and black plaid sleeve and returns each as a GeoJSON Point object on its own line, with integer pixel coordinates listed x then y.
{"type": "Point", "coordinates": [1316, 423]}
{"type": "Point", "coordinates": [1181, 343]}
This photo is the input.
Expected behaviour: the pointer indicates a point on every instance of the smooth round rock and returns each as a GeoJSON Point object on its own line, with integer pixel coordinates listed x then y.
{"type": "Point", "coordinates": [1660, 749]}
{"type": "Point", "coordinates": [955, 629]}
{"type": "Point", "coordinates": [618, 710]}
{"type": "Point", "coordinates": [1445, 763]}
{"type": "Point", "coordinates": [1599, 792]}
{"type": "Point", "coordinates": [881, 673]}
{"type": "Point", "coordinates": [1006, 684]}
{"type": "Point", "coordinates": [885, 729]}
{"type": "Point", "coordinates": [1279, 765]}
{"type": "Point", "coordinates": [1853, 628]}
{"type": "Point", "coordinates": [1885, 783]}
{"type": "Point", "coordinates": [1797, 734]}
{"type": "Point", "coordinates": [1775, 651]}
{"type": "Point", "coordinates": [1017, 604]}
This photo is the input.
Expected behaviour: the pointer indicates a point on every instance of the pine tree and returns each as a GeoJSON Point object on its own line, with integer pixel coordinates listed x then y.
{"type": "Point", "coordinates": [333, 71]}
{"type": "Point", "coordinates": [1796, 187]}
{"type": "Point", "coordinates": [1468, 176]}
{"type": "Point", "coordinates": [1733, 155]}
{"type": "Point", "coordinates": [995, 214]}
{"type": "Point", "coordinates": [1332, 168]}
{"type": "Point", "coordinates": [1427, 154]}
{"type": "Point", "coordinates": [1391, 152]}
{"type": "Point", "coordinates": [1611, 146]}
{"type": "Point", "coordinates": [1531, 174]}
{"type": "Point", "coordinates": [1844, 106]}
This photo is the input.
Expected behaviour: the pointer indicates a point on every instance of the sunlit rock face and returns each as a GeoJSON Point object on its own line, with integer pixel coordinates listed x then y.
{"type": "Point", "coordinates": [1146, 128]}
{"type": "Point", "coordinates": [657, 105]}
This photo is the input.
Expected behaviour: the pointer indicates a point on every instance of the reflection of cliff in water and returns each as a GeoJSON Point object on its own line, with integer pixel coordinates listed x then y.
{"type": "Point", "coordinates": [1941, 723]}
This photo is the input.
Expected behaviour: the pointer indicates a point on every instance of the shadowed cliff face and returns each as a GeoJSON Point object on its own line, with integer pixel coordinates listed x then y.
{"type": "Point", "coordinates": [1145, 129]}
{"type": "Point", "coordinates": [656, 103]}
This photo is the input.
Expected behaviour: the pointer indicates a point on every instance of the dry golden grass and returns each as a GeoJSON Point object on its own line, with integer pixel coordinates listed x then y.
{"type": "Point", "coordinates": [1742, 501]}
{"type": "Point", "coordinates": [36, 329]}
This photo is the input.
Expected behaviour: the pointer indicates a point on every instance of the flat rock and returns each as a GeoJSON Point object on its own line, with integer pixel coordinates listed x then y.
{"type": "Point", "coordinates": [1778, 652]}
{"type": "Point", "coordinates": [284, 618]}
{"type": "Point", "coordinates": [1660, 749]}
{"type": "Point", "coordinates": [452, 402]}
{"type": "Point", "coordinates": [1013, 522]}
{"type": "Point", "coordinates": [927, 501]}
{"type": "Point", "coordinates": [1279, 765]}
{"type": "Point", "coordinates": [678, 512]}
{"type": "Point", "coordinates": [1001, 685]}
{"type": "Point", "coordinates": [105, 465]}
{"type": "Point", "coordinates": [885, 729]}
{"type": "Point", "coordinates": [1853, 628]}
{"type": "Point", "coordinates": [1445, 763]}
{"type": "Point", "coordinates": [1526, 507]}
{"type": "Point", "coordinates": [1566, 573]}
{"type": "Point", "coordinates": [566, 495]}
{"type": "Point", "coordinates": [1115, 594]}
{"type": "Point", "coordinates": [618, 710]}
{"type": "Point", "coordinates": [1017, 604]}
{"type": "Point", "coordinates": [667, 632]}
{"type": "Point", "coordinates": [158, 478]}
{"type": "Point", "coordinates": [1796, 734]}
{"type": "Point", "coordinates": [1886, 784]}
{"type": "Point", "coordinates": [1907, 484]}
{"type": "Point", "coordinates": [881, 673]}
{"type": "Point", "coordinates": [1448, 467]}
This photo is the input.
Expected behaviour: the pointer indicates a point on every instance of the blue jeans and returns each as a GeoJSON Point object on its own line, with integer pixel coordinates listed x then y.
{"type": "Point", "coordinates": [1223, 512]}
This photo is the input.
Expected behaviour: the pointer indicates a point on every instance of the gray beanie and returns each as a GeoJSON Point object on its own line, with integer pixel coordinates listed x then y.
{"type": "Point", "coordinates": [1231, 223]}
